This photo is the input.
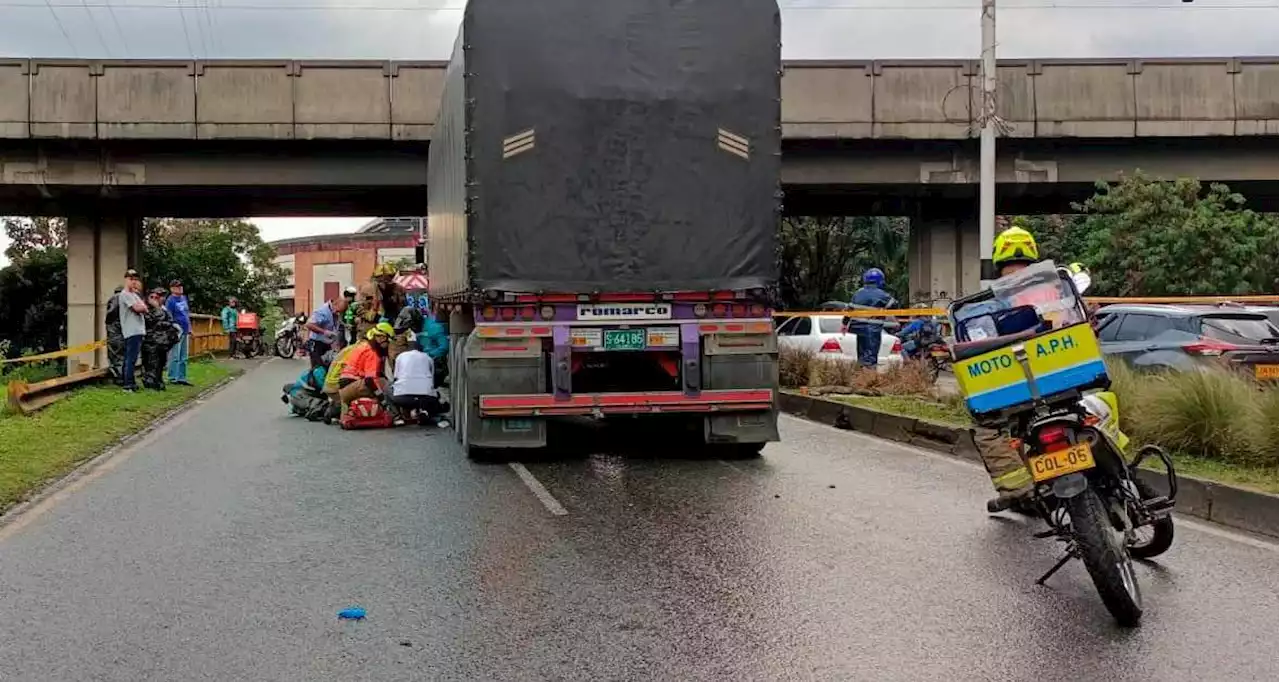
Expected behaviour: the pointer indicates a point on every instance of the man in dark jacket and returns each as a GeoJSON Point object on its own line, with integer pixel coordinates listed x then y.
{"type": "Point", "coordinates": [115, 337]}
{"type": "Point", "coordinates": [162, 334]}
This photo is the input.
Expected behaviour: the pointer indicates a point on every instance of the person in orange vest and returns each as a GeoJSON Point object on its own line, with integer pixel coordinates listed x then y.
{"type": "Point", "coordinates": [362, 374]}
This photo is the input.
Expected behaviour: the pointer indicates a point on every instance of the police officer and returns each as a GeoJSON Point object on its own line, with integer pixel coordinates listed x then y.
{"type": "Point", "coordinates": [115, 337]}
{"type": "Point", "coordinates": [161, 335]}
{"type": "Point", "coordinates": [869, 330]}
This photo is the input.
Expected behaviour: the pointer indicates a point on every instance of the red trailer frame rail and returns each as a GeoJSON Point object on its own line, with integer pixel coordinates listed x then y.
{"type": "Point", "coordinates": [543, 405]}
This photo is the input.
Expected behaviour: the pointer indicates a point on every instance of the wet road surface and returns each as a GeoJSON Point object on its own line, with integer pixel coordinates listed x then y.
{"type": "Point", "coordinates": [222, 547]}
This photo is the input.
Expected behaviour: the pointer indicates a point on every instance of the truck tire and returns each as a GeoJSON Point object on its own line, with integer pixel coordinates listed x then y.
{"type": "Point", "coordinates": [742, 451]}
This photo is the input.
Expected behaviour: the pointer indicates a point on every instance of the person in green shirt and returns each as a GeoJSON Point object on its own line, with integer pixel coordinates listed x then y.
{"type": "Point", "coordinates": [229, 314]}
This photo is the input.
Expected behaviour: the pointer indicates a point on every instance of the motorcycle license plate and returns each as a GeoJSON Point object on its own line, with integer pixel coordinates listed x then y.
{"type": "Point", "coordinates": [1267, 371]}
{"type": "Point", "coordinates": [1054, 464]}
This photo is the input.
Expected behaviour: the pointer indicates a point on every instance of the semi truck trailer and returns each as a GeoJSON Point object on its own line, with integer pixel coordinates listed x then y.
{"type": "Point", "coordinates": [604, 198]}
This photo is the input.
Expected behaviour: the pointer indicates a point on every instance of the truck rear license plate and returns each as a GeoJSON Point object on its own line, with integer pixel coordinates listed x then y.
{"type": "Point", "coordinates": [624, 339]}
{"type": "Point", "coordinates": [1054, 464]}
{"type": "Point", "coordinates": [1267, 371]}
{"type": "Point", "coordinates": [517, 425]}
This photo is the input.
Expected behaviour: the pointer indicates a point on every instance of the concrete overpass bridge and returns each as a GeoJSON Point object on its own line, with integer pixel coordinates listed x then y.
{"type": "Point", "coordinates": [105, 142]}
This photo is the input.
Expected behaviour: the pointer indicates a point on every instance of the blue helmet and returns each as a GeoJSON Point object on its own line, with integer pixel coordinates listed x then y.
{"type": "Point", "coordinates": [873, 276]}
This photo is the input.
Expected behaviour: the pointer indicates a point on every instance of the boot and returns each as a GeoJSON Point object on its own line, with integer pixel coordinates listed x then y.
{"type": "Point", "coordinates": [1007, 499]}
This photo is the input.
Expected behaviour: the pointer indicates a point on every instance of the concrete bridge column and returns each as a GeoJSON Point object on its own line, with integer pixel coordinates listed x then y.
{"type": "Point", "coordinates": [99, 250]}
{"type": "Point", "coordinates": [943, 262]}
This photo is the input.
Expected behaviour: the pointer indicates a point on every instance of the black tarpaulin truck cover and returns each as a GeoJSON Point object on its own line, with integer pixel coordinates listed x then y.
{"type": "Point", "coordinates": [608, 145]}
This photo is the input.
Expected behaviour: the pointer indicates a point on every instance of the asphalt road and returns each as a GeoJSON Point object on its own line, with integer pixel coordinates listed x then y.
{"type": "Point", "coordinates": [222, 547]}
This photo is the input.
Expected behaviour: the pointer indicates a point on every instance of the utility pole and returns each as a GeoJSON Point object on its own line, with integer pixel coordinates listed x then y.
{"type": "Point", "coordinates": [987, 149]}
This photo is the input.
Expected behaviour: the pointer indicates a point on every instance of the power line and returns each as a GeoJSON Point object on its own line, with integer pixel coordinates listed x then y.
{"type": "Point", "coordinates": [787, 8]}
{"type": "Point", "coordinates": [124, 42]}
{"type": "Point", "coordinates": [58, 20]}
{"type": "Point", "coordinates": [96, 31]}
{"type": "Point", "coordinates": [182, 16]}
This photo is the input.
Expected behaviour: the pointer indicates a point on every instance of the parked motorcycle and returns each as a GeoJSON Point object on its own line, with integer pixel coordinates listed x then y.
{"type": "Point", "coordinates": [248, 335]}
{"type": "Point", "coordinates": [289, 336]}
{"type": "Point", "coordinates": [922, 341]}
{"type": "Point", "coordinates": [1026, 359]}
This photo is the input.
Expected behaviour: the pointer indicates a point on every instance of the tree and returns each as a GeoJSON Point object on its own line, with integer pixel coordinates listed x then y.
{"type": "Point", "coordinates": [33, 301]}
{"type": "Point", "coordinates": [821, 259]}
{"type": "Point", "coordinates": [1144, 237]}
{"type": "Point", "coordinates": [214, 258]}
{"type": "Point", "coordinates": [28, 235]}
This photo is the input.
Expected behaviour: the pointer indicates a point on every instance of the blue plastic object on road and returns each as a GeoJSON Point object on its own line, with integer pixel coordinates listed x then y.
{"type": "Point", "coordinates": [352, 613]}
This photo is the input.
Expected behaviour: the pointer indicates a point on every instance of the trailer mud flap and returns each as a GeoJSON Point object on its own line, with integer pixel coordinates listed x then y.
{"type": "Point", "coordinates": [742, 361]}
{"type": "Point", "coordinates": [504, 366]}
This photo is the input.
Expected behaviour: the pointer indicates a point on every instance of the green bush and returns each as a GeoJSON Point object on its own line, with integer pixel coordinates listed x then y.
{"type": "Point", "coordinates": [1215, 413]}
{"type": "Point", "coordinates": [1265, 437]}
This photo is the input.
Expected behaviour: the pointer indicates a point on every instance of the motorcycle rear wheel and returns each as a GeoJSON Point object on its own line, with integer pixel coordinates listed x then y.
{"type": "Point", "coordinates": [1105, 556]}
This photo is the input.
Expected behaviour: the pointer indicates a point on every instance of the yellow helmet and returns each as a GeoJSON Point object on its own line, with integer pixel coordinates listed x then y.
{"type": "Point", "coordinates": [380, 329]}
{"type": "Point", "coordinates": [1014, 245]}
{"type": "Point", "coordinates": [384, 270]}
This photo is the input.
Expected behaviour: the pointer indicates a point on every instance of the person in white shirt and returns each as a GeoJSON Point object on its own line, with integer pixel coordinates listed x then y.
{"type": "Point", "coordinates": [413, 389]}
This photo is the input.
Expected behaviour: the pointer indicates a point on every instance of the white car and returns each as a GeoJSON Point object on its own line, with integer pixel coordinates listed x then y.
{"type": "Point", "coordinates": [824, 334]}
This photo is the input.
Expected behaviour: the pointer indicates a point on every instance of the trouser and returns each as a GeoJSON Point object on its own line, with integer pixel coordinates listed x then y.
{"type": "Point", "coordinates": [115, 354]}
{"type": "Point", "coordinates": [178, 358]}
{"type": "Point", "coordinates": [154, 357]}
{"type": "Point", "coordinates": [426, 405]}
{"type": "Point", "coordinates": [868, 337]}
{"type": "Point", "coordinates": [350, 389]}
{"type": "Point", "coordinates": [1009, 474]}
{"type": "Point", "coordinates": [316, 350]}
{"type": "Point", "coordinates": [231, 344]}
{"type": "Point", "coordinates": [129, 363]}
{"type": "Point", "coordinates": [335, 403]}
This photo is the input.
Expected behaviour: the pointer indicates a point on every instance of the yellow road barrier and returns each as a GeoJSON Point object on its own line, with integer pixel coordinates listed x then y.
{"type": "Point", "coordinates": [74, 350]}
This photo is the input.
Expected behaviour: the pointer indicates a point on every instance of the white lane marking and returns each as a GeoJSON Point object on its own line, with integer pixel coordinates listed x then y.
{"type": "Point", "coordinates": [539, 491]}
{"type": "Point", "coordinates": [1191, 522]}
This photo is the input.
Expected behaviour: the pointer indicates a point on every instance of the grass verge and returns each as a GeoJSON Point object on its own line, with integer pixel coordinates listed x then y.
{"type": "Point", "coordinates": [49, 444]}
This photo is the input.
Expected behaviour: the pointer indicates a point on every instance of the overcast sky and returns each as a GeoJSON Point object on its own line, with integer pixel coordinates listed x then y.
{"type": "Point", "coordinates": [812, 29]}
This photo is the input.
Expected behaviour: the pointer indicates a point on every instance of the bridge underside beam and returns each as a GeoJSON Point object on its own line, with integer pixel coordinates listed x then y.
{"type": "Point", "coordinates": [373, 178]}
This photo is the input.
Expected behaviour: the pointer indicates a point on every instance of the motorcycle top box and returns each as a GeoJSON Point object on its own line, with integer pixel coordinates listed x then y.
{"type": "Point", "coordinates": [1025, 341]}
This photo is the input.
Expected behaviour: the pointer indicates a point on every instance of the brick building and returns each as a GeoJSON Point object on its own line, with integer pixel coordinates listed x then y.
{"type": "Point", "coordinates": [321, 266]}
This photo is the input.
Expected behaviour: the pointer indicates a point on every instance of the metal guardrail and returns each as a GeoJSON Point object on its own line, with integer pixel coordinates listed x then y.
{"type": "Point", "coordinates": [30, 397]}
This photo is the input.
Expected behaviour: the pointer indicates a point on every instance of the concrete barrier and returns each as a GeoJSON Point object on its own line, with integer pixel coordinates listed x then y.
{"type": "Point", "coordinates": [1247, 510]}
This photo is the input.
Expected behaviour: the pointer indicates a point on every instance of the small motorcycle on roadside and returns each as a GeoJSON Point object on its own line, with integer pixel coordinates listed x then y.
{"type": "Point", "coordinates": [289, 336]}
{"type": "Point", "coordinates": [248, 335]}
{"type": "Point", "coordinates": [1027, 361]}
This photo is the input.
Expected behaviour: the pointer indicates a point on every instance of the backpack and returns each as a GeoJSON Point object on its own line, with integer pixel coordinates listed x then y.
{"type": "Point", "coordinates": [366, 413]}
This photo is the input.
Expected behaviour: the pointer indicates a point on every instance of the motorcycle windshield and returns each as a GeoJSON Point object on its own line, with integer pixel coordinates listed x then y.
{"type": "Point", "coordinates": [1040, 297]}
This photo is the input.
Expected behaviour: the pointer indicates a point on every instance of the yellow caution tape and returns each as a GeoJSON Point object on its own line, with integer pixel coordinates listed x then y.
{"type": "Point", "coordinates": [74, 350]}
{"type": "Point", "coordinates": [895, 312]}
